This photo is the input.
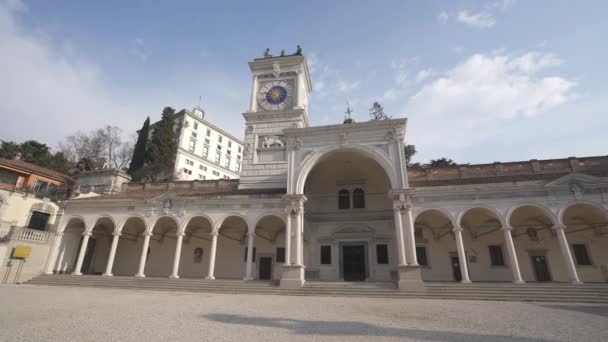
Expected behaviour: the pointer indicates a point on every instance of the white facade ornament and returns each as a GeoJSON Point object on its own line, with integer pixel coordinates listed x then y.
{"type": "Point", "coordinates": [343, 138]}
{"type": "Point", "coordinates": [276, 69]}
{"type": "Point", "coordinates": [272, 141]}
{"type": "Point", "coordinates": [577, 190]}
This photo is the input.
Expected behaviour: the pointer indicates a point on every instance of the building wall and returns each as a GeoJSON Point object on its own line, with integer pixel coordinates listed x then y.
{"type": "Point", "coordinates": [16, 208]}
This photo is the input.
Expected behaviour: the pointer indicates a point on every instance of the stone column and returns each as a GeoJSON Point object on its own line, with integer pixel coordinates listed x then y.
{"type": "Point", "coordinates": [110, 263]}
{"type": "Point", "coordinates": [399, 233]}
{"type": "Point", "coordinates": [288, 237]}
{"type": "Point", "coordinates": [83, 249]}
{"type": "Point", "coordinates": [211, 268]}
{"type": "Point", "coordinates": [565, 248]}
{"type": "Point", "coordinates": [178, 254]}
{"type": "Point", "coordinates": [410, 246]}
{"type": "Point", "coordinates": [300, 237]}
{"type": "Point", "coordinates": [52, 261]}
{"type": "Point", "coordinates": [464, 269]}
{"type": "Point", "coordinates": [513, 263]}
{"type": "Point", "coordinates": [253, 106]}
{"type": "Point", "coordinates": [144, 255]}
{"type": "Point", "coordinates": [300, 91]}
{"type": "Point", "coordinates": [248, 269]}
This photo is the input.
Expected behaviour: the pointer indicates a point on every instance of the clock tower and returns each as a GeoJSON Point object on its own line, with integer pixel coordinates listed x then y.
{"type": "Point", "coordinates": [279, 100]}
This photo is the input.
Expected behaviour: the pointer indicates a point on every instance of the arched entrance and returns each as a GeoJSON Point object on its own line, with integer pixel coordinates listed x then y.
{"type": "Point", "coordinates": [196, 248]}
{"type": "Point", "coordinates": [161, 249]}
{"type": "Point", "coordinates": [270, 247]}
{"type": "Point", "coordinates": [348, 219]}
{"type": "Point", "coordinates": [129, 246]}
{"type": "Point", "coordinates": [70, 245]}
{"type": "Point", "coordinates": [231, 255]}
{"type": "Point", "coordinates": [436, 247]}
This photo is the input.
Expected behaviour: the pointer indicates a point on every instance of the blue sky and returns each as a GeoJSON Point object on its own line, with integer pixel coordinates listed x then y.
{"type": "Point", "coordinates": [480, 81]}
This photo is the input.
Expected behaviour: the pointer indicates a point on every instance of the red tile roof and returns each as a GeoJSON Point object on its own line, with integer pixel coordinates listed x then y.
{"type": "Point", "coordinates": [32, 168]}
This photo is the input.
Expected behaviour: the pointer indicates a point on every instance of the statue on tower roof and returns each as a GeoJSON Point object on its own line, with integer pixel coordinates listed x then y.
{"type": "Point", "coordinates": [298, 50]}
{"type": "Point", "coordinates": [267, 53]}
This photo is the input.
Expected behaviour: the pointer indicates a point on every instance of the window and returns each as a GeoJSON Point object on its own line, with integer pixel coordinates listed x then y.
{"type": "Point", "coordinates": [201, 177]}
{"type": "Point", "coordinates": [38, 220]}
{"type": "Point", "coordinates": [496, 258]}
{"type": "Point", "coordinates": [225, 177]}
{"type": "Point", "coordinates": [343, 199]}
{"type": "Point", "coordinates": [227, 161]}
{"type": "Point", "coordinates": [229, 144]}
{"type": "Point", "coordinates": [220, 138]}
{"type": "Point", "coordinates": [280, 254]}
{"type": "Point", "coordinates": [219, 147]}
{"type": "Point", "coordinates": [207, 141]}
{"type": "Point", "coordinates": [192, 145]}
{"type": "Point", "coordinates": [237, 166]}
{"type": "Point", "coordinates": [40, 186]}
{"type": "Point", "coordinates": [189, 162]}
{"type": "Point", "coordinates": [201, 167]}
{"type": "Point", "coordinates": [382, 254]}
{"type": "Point", "coordinates": [581, 255]}
{"type": "Point", "coordinates": [358, 198]}
{"type": "Point", "coordinates": [325, 255]}
{"type": "Point", "coordinates": [194, 135]}
{"type": "Point", "coordinates": [218, 156]}
{"type": "Point", "coordinates": [196, 125]}
{"type": "Point", "coordinates": [253, 258]}
{"type": "Point", "coordinates": [215, 173]}
{"type": "Point", "coordinates": [228, 152]}
{"type": "Point", "coordinates": [239, 149]}
{"type": "Point", "coordinates": [8, 177]}
{"type": "Point", "coordinates": [208, 132]}
{"type": "Point", "coordinates": [205, 151]}
{"type": "Point", "coordinates": [421, 256]}
{"type": "Point", "coordinates": [188, 172]}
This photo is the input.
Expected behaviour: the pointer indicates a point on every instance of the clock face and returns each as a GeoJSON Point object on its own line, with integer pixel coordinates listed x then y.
{"type": "Point", "coordinates": [275, 95]}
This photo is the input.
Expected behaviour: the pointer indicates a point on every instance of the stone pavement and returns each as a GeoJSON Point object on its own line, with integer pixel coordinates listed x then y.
{"type": "Point", "coordinates": [36, 313]}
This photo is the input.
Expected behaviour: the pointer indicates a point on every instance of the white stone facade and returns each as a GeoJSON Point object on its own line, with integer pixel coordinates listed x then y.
{"type": "Point", "coordinates": [337, 202]}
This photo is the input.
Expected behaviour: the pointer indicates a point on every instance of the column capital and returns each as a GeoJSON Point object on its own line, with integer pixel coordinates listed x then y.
{"type": "Point", "coordinates": [59, 233]}
{"type": "Point", "coordinates": [180, 234]}
{"type": "Point", "coordinates": [87, 234]}
{"type": "Point", "coordinates": [507, 228]}
{"type": "Point", "coordinates": [559, 226]}
{"type": "Point", "coordinates": [457, 229]}
{"type": "Point", "coordinates": [214, 233]}
{"type": "Point", "coordinates": [251, 234]}
{"type": "Point", "coordinates": [144, 234]}
{"type": "Point", "coordinates": [116, 234]}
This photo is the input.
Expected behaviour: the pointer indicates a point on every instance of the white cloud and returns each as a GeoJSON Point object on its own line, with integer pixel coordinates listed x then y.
{"type": "Point", "coordinates": [443, 17]}
{"type": "Point", "coordinates": [347, 87]}
{"type": "Point", "coordinates": [477, 20]}
{"type": "Point", "coordinates": [424, 74]}
{"type": "Point", "coordinates": [472, 101]}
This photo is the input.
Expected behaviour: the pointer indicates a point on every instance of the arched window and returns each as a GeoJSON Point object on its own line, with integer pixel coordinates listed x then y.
{"type": "Point", "coordinates": [358, 198]}
{"type": "Point", "coordinates": [343, 199]}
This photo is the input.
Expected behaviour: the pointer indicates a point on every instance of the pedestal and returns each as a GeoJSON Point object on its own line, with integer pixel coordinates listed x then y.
{"type": "Point", "coordinates": [292, 276]}
{"type": "Point", "coordinates": [410, 278]}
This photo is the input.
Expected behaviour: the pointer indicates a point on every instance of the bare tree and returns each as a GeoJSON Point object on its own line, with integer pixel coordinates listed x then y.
{"type": "Point", "coordinates": [103, 145]}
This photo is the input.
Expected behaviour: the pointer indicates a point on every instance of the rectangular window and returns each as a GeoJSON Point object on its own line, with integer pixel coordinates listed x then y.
{"type": "Point", "coordinates": [325, 255]}
{"type": "Point", "coordinates": [192, 145]}
{"type": "Point", "coordinates": [581, 255]}
{"type": "Point", "coordinates": [196, 125]}
{"type": "Point", "coordinates": [201, 177]}
{"type": "Point", "coordinates": [207, 141]}
{"type": "Point", "coordinates": [280, 254]}
{"type": "Point", "coordinates": [237, 167]}
{"type": "Point", "coordinates": [215, 173]}
{"type": "Point", "coordinates": [39, 220]}
{"type": "Point", "coordinates": [253, 259]}
{"type": "Point", "coordinates": [382, 254]}
{"type": "Point", "coordinates": [40, 186]}
{"type": "Point", "coordinates": [7, 177]}
{"type": "Point", "coordinates": [227, 161]}
{"type": "Point", "coordinates": [218, 156]}
{"type": "Point", "coordinates": [205, 151]}
{"type": "Point", "coordinates": [229, 143]}
{"type": "Point", "coordinates": [228, 152]}
{"type": "Point", "coordinates": [219, 147]}
{"type": "Point", "coordinates": [239, 149]}
{"type": "Point", "coordinates": [208, 132]}
{"type": "Point", "coordinates": [421, 256]}
{"type": "Point", "coordinates": [194, 135]}
{"type": "Point", "coordinates": [219, 138]}
{"type": "Point", "coordinates": [496, 257]}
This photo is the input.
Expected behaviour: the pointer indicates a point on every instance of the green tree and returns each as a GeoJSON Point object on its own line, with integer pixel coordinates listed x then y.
{"type": "Point", "coordinates": [139, 152]}
{"type": "Point", "coordinates": [9, 149]}
{"type": "Point", "coordinates": [442, 162]}
{"type": "Point", "coordinates": [84, 164]}
{"type": "Point", "coordinates": [409, 151]}
{"type": "Point", "coordinates": [162, 148]}
{"type": "Point", "coordinates": [35, 152]}
{"type": "Point", "coordinates": [60, 163]}
{"type": "Point", "coordinates": [377, 112]}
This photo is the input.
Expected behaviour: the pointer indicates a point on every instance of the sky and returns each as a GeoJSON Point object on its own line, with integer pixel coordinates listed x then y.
{"type": "Point", "coordinates": [479, 81]}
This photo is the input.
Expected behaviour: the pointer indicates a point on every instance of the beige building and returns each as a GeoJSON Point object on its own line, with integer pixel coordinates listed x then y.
{"type": "Point", "coordinates": [337, 203]}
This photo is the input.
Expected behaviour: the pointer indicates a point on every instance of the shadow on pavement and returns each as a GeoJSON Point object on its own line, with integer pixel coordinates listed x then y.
{"type": "Point", "coordinates": [350, 328]}
{"type": "Point", "coordinates": [599, 310]}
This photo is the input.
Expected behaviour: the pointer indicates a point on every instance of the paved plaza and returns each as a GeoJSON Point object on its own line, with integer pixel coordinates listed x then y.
{"type": "Point", "coordinates": [36, 313]}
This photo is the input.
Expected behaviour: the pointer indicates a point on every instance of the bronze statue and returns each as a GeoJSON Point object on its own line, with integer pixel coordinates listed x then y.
{"type": "Point", "coordinates": [267, 53]}
{"type": "Point", "coordinates": [299, 50]}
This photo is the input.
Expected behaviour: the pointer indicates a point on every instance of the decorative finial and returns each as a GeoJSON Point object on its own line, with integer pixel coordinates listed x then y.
{"type": "Point", "coordinates": [348, 112]}
{"type": "Point", "coordinates": [282, 53]}
{"type": "Point", "coordinates": [299, 50]}
{"type": "Point", "coordinates": [267, 53]}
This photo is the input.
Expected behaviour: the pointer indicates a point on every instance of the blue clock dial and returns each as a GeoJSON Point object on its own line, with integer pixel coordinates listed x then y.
{"type": "Point", "coordinates": [276, 95]}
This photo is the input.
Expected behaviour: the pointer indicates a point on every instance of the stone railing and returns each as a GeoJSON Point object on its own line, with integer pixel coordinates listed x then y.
{"type": "Point", "coordinates": [26, 234]}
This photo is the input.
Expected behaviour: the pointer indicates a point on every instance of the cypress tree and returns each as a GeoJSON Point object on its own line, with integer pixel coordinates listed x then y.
{"type": "Point", "coordinates": [139, 152]}
{"type": "Point", "coordinates": [163, 147]}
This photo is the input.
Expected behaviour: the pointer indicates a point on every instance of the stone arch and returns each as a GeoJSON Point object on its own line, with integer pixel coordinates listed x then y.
{"type": "Point", "coordinates": [102, 218]}
{"type": "Point", "coordinates": [189, 219]}
{"type": "Point", "coordinates": [273, 229]}
{"type": "Point", "coordinates": [70, 219]}
{"type": "Point", "coordinates": [132, 217]}
{"type": "Point", "coordinates": [163, 217]}
{"type": "Point", "coordinates": [232, 230]}
{"type": "Point", "coordinates": [545, 210]}
{"type": "Point", "coordinates": [573, 204]}
{"type": "Point", "coordinates": [314, 158]}
{"type": "Point", "coordinates": [222, 220]}
{"type": "Point", "coordinates": [493, 211]}
{"type": "Point", "coordinates": [442, 211]}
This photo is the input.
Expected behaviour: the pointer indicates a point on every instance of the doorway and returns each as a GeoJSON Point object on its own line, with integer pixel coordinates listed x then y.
{"type": "Point", "coordinates": [265, 268]}
{"type": "Point", "coordinates": [353, 262]}
{"type": "Point", "coordinates": [456, 267]}
{"type": "Point", "coordinates": [541, 268]}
